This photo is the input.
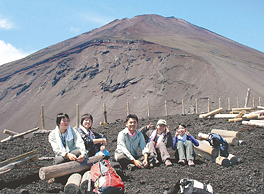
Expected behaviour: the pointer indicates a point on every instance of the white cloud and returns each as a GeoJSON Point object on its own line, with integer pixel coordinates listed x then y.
{"type": "Point", "coordinates": [97, 19]}
{"type": "Point", "coordinates": [5, 24]}
{"type": "Point", "coordinates": [9, 53]}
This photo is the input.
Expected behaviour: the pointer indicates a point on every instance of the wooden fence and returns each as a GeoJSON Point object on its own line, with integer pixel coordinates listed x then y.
{"type": "Point", "coordinates": [193, 108]}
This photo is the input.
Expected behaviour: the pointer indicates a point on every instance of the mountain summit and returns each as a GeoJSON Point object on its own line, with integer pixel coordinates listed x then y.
{"type": "Point", "coordinates": [148, 58]}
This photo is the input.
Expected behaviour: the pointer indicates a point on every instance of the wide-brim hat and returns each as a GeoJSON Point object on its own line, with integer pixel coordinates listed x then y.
{"type": "Point", "coordinates": [161, 122]}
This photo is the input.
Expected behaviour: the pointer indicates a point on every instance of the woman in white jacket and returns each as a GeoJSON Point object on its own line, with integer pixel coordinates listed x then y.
{"type": "Point", "coordinates": [66, 142]}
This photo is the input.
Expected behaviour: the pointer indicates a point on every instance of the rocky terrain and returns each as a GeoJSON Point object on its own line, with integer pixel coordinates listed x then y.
{"type": "Point", "coordinates": [148, 58]}
{"type": "Point", "coordinates": [245, 177]}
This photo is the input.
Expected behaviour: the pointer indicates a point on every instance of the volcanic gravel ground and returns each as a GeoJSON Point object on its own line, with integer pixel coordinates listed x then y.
{"type": "Point", "coordinates": [245, 177]}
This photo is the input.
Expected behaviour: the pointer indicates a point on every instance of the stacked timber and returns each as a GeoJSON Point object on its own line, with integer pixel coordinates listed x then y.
{"type": "Point", "coordinates": [73, 184]}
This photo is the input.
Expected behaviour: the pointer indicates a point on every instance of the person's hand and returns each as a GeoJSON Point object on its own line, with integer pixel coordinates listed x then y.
{"type": "Point", "coordinates": [81, 158]}
{"type": "Point", "coordinates": [103, 141]}
{"type": "Point", "coordinates": [167, 129]}
{"type": "Point", "coordinates": [187, 132]}
{"type": "Point", "coordinates": [71, 157]}
{"type": "Point", "coordinates": [145, 163]}
{"type": "Point", "coordinates": [177, 133]}
{"type": "Point", "coordinates": [102, 148]}
{"type": "Point", "coordinates": [150, 126]}
{"type": "Point", "coordinates": [138, 163]}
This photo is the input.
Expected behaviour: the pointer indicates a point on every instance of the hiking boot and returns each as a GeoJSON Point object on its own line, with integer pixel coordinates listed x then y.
{"type": "Point", "coordinates": [168, 162]}
{"type": "Point", "coordinates": [190, 163]}
{"type": "Point", "coordinates": [181, 162]}
{"type": "Point", "coordinates": [131, 167]}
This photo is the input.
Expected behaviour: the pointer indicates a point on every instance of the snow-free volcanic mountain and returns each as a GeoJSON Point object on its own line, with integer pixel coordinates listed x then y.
{"type": "Point", "coordinates": [146, 59]}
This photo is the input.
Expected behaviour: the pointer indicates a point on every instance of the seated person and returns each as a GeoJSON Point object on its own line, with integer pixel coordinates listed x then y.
{"type": "Point", "coordinates": [158, 141]}
{"type": "Point", "coordinates": [184, 141]}
{"type": "Point", "coordinates": [128, 142]}
{"type": "Point", "coordinates": [66, 142]}
{"type": "Point", "coordinates": [92, 140]}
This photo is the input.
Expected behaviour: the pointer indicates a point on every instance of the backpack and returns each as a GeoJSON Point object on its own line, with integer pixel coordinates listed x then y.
{"type": "Point", "coordinates": [216, 140]}
{"type": "Point", "coordinates": [191, 186]}
{"type": "Point", "coordinates": [105, 179]}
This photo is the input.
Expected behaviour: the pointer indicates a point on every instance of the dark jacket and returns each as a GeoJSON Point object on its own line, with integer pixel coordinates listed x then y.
{"type": "Point", "coordinates": [91, 148]}
{"type": "Point", "coordinates": [189, 137]}
{"type": "Point", "coordinates": [167, 140]}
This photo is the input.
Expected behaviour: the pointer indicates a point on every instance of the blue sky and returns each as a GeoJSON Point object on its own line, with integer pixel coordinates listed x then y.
{"type": "Point", "coordinates": [27, 26]}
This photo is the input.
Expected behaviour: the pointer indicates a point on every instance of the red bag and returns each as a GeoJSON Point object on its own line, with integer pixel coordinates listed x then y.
{"type": "Point", "coordinates": [105, 178]}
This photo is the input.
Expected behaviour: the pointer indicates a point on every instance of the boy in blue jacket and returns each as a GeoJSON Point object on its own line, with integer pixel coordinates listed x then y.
{"type": "Point", "coordinates": [184, 141]}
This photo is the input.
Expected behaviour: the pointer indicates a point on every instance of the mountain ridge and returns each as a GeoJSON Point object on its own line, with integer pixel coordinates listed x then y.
{"type": "Point", "coordinates": [147, 58]}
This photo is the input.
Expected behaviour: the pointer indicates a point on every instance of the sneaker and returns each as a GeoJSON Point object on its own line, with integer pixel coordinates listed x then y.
{"type": "Point", "coordinates": [181, 162]}
{"type": "Point", "coordinates": [190, 163]}
{"type": "Point", "coordinates": [168, 162]}
{"type": "Point", "coordinates": [131, 167]}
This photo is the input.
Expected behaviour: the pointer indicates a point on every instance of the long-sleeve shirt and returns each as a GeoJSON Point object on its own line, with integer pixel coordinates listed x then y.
{"type": "Point", "coordinates": [129, 146]}
{"type": "Point", "coordinates": [75, 142]}
{"type": "Point", "coordinates": [167, 140]}
{"type": "Point", "coordinates": [189, 137]}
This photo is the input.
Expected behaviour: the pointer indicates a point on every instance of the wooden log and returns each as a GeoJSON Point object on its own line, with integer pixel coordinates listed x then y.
{"type": "Point", "coordinates": [240, 109]}
{"type": "Point", "coordinates": [11, 163]}
{"type": "Point", "coordinates": [218, 160]}
{"type": "Point", "coordinates": [19, 135]}
{"type": "Point", "coordinates": [226, 133]}
{"type": "Point", "coordinates": [86, 184]}
{"type": "Point", "coordinates": [260, 107]}
{"type": "Point", "coordinates": [232, 158]}
{"type": "Point", "coordinates": [257, 112]}
{"type": "Point", "coordinates": [73, 184]}
{"type": "Point", "coordinates": [241, 114]}
{"type": "Point", "coordinates": [203, 136]}
{"type": "Point", "coordinates": [257, 121]}
{"type": "Point", "coordinates": [204, 147]}
{"type": "Point", "coordinates": [219, 110]}
{"type": "Point", "coordinates": [235, 120]}
{"type": "Point", "coordinates": [258, 124]}
{"type": "Point", "coordinates": [9, 132]}
{"type": "Point", "coordinates": [253, 116]}
{"type": "Point", "coordinates": [232, 140]}
{"type": "Point", "coordinates": [67, 168]}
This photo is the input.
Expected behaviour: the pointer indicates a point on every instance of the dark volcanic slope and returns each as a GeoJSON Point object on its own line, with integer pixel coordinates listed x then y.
{"type": "Point", "coordinates": [245, 177]}
{"type": "Point", "coordinates": [147, 58]}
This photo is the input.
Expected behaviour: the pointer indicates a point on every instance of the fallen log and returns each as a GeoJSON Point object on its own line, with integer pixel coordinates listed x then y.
{"type": "Point", "coordinates": [207, 148]}
{"type": "Point", "coordinates": [240, 109]}
{"type": "Point", "coordinates": [241, 114]}
{"type": "Point", "coordinates": [67, 168]}
{"type": "Point", "coordinates": [235, 120]}
{"type": "Point", "coordinates": [203, 136]}
{"type": "Point", "coordinates": [232, 158]}
{"type": "Point", "coordinates": [219, 110]}
{"type": "Point", "coordinates": [11, 163]}
{"type": "Point", "coordinates": [260, 107]}
{"type": "Point", "coordinates": [73, 184]}
{"type": "Point", "coordinates": [218, 160]}
{"type": "Point", "coordinates": [225, 133]}
{"type": "Point", "coordinates": [86, 186]}
{"type": "Point", "coordinates": [232, 140]}
{"type": "Point", "coordinates": [9, 132]}
{"type": "Point", "coordinates": [19, 135]}
{"type": "Point", "coordinates": [258, 124]}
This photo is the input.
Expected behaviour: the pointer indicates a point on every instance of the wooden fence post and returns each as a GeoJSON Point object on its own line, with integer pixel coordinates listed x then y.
{"type": "Point", "coordinates": [166, 110]}
{"type": "Point", "coordinates": [42, 117]}
{"type": "Point", "coordinates": [248, 94]}
{"type": "Point", "coordinates": [229, 106]}
{"type": "Point", "coordinates": [237, 103]}
{"type": "Point", "coordinates": [209, 105]}
{"type": "Point", "coordinates": [128, 112]}
{"type": "Point", "coordinates": [104, 113]}
{"type": "Point", "coordinates": [183, 109]}
{"type": "Point", "coordinates": [259, 101]}
{"type": "Point", "coordinates": [196, 105]}
{"type": "Point", "coordinates": [253, 102]}
{"type": "Point", "coordinates": [148, 108]}
{"type": "Point", "coordinates": [220, 103]}
{"type": "Point", "coordinates": [77, 116]}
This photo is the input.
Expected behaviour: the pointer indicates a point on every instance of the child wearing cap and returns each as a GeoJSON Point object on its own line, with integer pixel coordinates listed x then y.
{"type": "Point", "coordinates": [157, 141]}
{"type": "Point", "coordinates": [183, 142]}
